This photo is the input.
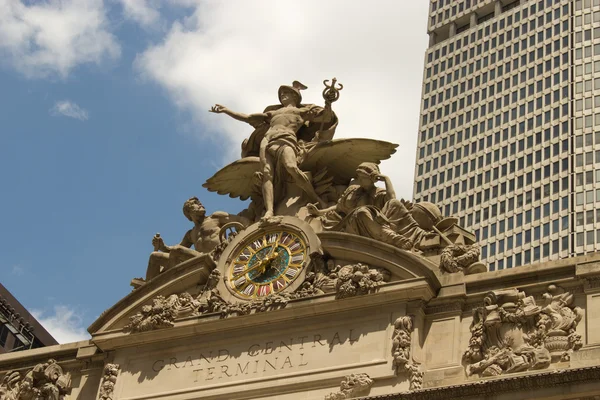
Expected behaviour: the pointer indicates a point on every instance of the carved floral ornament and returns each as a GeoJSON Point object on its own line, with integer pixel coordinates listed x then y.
{"type": "Point", "coordinates": [325, 277]}
{"type": "Point", "coordinates": [353, 385]}
{"type": "Point", "coordinates": [45, 381]}
{"type": "Point", "coordinates": [511, 333]}
{"type": "Point", "coordinates": [401, 347]}
{"type": "Point", "coordinates": [109, 380]}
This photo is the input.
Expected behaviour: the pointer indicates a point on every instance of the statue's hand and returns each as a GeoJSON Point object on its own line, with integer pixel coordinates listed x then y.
{"type": "Point", "coordinates": [218, 109]}
{"type": "Point", "coordinates": [379, 178]}
{"type": "Point", "coordinates": [313, 210]}
{"type": "Point", "coordinates": [158, 243]}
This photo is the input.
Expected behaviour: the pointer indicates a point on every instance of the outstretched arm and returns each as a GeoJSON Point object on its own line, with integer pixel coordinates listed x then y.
{"type": "Point", "coordinates": [252, 119]}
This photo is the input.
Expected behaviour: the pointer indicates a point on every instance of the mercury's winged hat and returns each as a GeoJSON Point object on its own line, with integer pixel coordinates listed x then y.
{"type": "Point", "coordinates": [295, 88]}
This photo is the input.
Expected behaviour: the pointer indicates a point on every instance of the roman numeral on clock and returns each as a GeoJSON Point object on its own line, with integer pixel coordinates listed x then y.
{"type": "Point", "coordinates": [240, 282]}
{"type": "Point", "coordinates": [291, 273]}
{"type": "Point", "coordinates": [239, 268]}
{"type": "Point", "coordinates": [279, 284]}
{"type": "Point", "coordinates": [249, 290]}
{"type": "Point", "coordinates": [264, 290]}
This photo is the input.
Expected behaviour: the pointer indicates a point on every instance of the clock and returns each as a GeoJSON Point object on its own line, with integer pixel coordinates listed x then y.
{"type": "Point", "coordinates": [267, 259]}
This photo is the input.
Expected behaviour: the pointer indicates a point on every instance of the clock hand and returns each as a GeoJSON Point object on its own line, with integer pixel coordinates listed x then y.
{"type": "Point", "coordinates": [261, 264]}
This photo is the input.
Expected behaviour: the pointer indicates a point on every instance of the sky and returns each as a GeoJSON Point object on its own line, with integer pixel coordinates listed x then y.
{"type": "Point", "coordinates": [104, 129]}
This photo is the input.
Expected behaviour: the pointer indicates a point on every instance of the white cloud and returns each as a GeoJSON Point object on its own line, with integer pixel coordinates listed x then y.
{"type": "Point", "coordinates": [141, 11]}
{"type": "Point", "coordinates": [65, 324]}
{"type": "Point", "coordinates": [54, 36]}
{"type": "Point", "coordinates": [69, 109]}
{"type": "Point", "coordinates": [238, 53]}
{"type": "Point", "coordinates": [18, 270]}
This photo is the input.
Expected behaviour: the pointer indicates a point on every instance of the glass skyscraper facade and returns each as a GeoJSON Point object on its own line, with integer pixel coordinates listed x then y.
{"type": "Point", "coordinates": [509, 137]}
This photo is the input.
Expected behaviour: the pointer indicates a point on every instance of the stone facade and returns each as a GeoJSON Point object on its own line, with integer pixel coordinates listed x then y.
{"type": "Point", "coordinates": [326, 287]}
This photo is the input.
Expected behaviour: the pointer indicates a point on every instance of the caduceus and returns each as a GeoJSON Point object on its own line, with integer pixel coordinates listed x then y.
{"type": "Point", "coordinates": [331, 94]}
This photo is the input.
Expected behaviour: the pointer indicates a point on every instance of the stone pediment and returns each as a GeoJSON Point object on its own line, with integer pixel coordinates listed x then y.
{"type": "Point", "coordinates": [406, 270]}
{"type": "Point", "coordinates": [184, 277]}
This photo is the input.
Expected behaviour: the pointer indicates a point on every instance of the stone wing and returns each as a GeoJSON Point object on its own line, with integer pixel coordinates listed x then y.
{"type": "Point", "coordinates": [236, 179]}
{"type": "Point", "coordinates": [341, 156]}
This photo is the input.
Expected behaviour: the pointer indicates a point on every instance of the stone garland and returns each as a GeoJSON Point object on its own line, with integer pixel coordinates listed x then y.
{"type": "Point", "coordinates": [511, 333]}
{"type": "Point", "coordinates": [401, 345]}
{"type": "Point", "coordinates": [346, 281]}
{"type": "Point", "coordinates": [109, 380]}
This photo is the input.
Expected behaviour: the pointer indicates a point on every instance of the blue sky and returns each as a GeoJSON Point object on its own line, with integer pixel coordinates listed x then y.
{"type": "Point", "coordinates": [104, 129]}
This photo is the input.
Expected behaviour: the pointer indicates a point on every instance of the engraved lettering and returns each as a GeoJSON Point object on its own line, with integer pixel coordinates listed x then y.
{"type": "Point", "coordinates": [255, 366]}
{"type": "Point", "coordinates": [301, 360]}
{"type": "Point", "coordinates": [282, 343]}
{"type": "Point", "coordinates": [157, 368]}
{"type": "Point", "coordinates": [274, 365]}
{"type": "Point", "coordinates": [210, 372]}
{"type": "Point", "coordinates": [172, 362]}
{"type": "Point", "coordinates": [197, 373]}
{"type": "Point", "coordinates": [241, 370]}
{"type": "Point", "coordinates": [302, 341]}
{"type": "Point", "coordinates": [254, 353]}
{"type": "Point", "coordinates": [206, 359]}
{"type": "Point", "coordinates": [287, 361]}
{"type": "Point", "coordinates": [269, 347]}
{"type": "Point", "coordinates": [223, 355]}
{"type": "Point", "coordinates": [336, 336]}
{"type": "Point", "coordinates": [188, 360]}
{"type": "Point", "coordinates": [317, 339]}
{"type": "Point", "coordinates": [224, 369]}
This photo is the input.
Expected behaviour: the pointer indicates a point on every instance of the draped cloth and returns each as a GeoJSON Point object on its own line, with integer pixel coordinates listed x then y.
{"type": "Point", "coordinates": [370, 214]}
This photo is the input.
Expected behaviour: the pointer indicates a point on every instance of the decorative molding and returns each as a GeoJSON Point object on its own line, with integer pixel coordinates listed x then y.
{"type": "Point", "coordinates": [401, 346]}
{"type": "Point", "coordinates": [461, 258]}
{"type": "Point", "coordinates": [454, 306]}
{"type": "Point", "coordinates": [345, 281]}
{"type": "Point", "coordinates": [46, 381]}
{"type": "Point", "coordinates": [107, 386]}
{"type": "Point", "coordinates": [511, 333]}
{"type": "Point", "coordinates": [482, 388]}
{"type": "Point", "coordinates": [352, 386]}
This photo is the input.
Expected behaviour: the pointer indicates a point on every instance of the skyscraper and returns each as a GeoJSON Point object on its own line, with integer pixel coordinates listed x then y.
{"type": "Point", "coordinates": [509, 137]}
{"type": "Point", "coordinates": [19, 330]}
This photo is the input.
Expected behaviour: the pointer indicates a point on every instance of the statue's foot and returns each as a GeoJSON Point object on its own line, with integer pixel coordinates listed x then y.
{"type": "Point", "coordinates": [137, 282]}
{"type": "Point", "coordinates": [268, 214]}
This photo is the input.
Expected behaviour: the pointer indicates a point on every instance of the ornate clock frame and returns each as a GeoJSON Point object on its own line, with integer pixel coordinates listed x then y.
{"type": "Point", "coordinates": [244, 238]}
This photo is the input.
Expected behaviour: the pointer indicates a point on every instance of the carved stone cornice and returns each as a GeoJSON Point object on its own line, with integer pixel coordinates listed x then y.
{"type": "Point", "coordinates": [482, 388]}
{"type": "Point", "coordinates": [454, 306]}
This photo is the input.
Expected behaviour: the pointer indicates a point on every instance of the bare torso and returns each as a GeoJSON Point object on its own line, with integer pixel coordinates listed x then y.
{"type": "Point", "coordinates": [206, 235]}
{"type": "Point", "coordinates": [286, 120]}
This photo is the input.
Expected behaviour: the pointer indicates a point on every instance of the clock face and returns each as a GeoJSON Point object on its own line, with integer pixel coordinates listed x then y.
{"type": "Point", "coordinates": [266, 262]}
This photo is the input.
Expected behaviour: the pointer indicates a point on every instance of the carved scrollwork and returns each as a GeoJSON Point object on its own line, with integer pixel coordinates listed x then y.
{"type": "Point", "coordinates": [353, 385]}
{"type": "Point", "coordinates": [511, 333]}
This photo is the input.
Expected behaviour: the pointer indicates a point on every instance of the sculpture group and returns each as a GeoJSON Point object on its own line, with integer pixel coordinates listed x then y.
{"type": "Point", "coordinates": [291, 165]}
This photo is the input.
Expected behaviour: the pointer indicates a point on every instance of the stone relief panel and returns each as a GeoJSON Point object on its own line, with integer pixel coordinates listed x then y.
{"type": "Point", "coordinates": [511, 333]}
{"type": "Point", "coordinates": [353, 385]}
{"type": "Point", "coordinates": [274, 356]}
{"type": "Point", "coordinates": [45, 381]}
